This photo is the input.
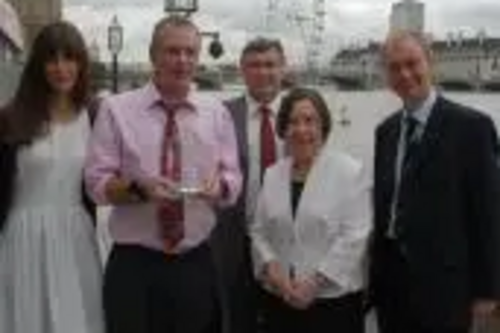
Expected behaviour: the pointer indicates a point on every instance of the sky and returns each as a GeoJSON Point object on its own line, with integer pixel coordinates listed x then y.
{"type": "Point", "coordinates": [348, 22]}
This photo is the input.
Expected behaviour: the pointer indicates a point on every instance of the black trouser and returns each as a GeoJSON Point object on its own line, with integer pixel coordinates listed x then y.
{"type": "Point", "coordinates": [393, 308]}
{"type": "Point", "coordinates": [231, 250]}
{"type": "Point", "coordinates": [146, 291]}
{"type": "Point", "coordinates": [342, 314]}
{"type": "Point", "coordinates": [243, 299]}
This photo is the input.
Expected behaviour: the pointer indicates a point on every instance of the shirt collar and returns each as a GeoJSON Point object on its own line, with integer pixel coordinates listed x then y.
{"type": "Point", "coordinates": [253, 105]}
{"type": "Point", "coordinates": [153, 98]}
{"type": "Point", "coordinates": [423, 111]}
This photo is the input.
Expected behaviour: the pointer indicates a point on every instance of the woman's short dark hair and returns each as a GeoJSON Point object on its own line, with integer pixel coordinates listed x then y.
{"type": "Point", "coordinates": [299, 94]}
{"type": "Point", "coordinates": [27, 114]}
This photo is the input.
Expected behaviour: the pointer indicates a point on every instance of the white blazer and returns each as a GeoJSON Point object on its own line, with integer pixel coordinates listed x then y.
{"type": "Point", "coordinates": [330, 231]}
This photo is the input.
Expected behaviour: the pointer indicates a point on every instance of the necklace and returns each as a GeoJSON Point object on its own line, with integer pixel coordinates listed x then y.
{"type": "Point", "coordinates": [299, 173]}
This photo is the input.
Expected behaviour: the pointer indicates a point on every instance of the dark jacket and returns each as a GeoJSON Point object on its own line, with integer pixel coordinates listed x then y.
{"type": "Point", "coordinates": [449, 224]}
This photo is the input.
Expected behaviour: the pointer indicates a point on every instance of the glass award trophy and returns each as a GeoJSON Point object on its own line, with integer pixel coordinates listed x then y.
{"type": "Point", "coordinates": [191, 183]}
{"type": "Point", "coordinates": [191, 175]}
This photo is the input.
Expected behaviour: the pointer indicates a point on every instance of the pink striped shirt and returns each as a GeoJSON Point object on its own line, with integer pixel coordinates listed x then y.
{"type": "Point", "coordinates": [127, 139]}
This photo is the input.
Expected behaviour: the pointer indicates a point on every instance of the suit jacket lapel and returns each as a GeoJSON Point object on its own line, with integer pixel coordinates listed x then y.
{"type": "Point", "coordinates": [285, 183]}
{"type": "Point", "coordinates": [389, 151]}
{"type": "Point", "coordinates": [239, 112]}
{"type": "Point", "coordinates": [385, 168]}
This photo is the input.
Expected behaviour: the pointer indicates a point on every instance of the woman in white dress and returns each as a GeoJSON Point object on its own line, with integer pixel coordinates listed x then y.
{"type": "Point", "coordinates": [50, 272]}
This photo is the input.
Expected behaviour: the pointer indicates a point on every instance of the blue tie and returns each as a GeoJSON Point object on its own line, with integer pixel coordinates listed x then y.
{"type": "Point", "coordinates": [410, 141]}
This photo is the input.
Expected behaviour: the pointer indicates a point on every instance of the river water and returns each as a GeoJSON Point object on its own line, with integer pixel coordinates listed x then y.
{"type": "Point", "coordinates": [362, 111]}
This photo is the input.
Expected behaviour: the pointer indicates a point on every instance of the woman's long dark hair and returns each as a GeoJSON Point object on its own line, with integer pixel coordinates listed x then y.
{"type": "Point", "coordinates": [27, 115]}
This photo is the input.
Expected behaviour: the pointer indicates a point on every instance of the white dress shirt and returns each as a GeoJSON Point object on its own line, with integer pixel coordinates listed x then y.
{"type": "Point", "coordinates": [253, 130]}
{"type": "Point", "coordinates": [329, 232]}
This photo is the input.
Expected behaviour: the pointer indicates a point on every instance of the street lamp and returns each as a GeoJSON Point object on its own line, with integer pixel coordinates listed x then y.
{"type": "Point", "coordinates": [181, 7]}
{"type": "Point", "coordinates": [115, 45]}
{"type": "Point", "coordinates": [215, 48]}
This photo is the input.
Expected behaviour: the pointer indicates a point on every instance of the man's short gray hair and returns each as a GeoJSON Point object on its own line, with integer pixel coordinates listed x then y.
{"type": "Point", "coordinates": [262, 44]}
{"type": "Point", "coordinates": [174, 21]}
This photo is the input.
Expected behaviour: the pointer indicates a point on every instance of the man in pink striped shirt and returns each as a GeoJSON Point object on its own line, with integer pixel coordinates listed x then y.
{"type": "Point", "coordinates": [149, 289]}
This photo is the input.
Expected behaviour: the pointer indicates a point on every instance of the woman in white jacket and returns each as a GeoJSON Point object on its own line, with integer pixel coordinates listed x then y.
{"type": "Point", "coordinates": [311, 227]}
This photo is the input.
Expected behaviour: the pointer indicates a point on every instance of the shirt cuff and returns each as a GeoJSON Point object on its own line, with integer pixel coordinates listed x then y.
{"type": "Point", "coordinates": [98, 191]}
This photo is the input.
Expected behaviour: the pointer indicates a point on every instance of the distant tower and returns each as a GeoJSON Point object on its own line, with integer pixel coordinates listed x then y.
{"type": "Point", "coordinates": [35, 14]}
{"type": "Point", "coordinates": [408, 15]}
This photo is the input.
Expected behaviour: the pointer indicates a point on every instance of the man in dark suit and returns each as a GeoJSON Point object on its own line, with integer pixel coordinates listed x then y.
{"type": "Point", "coordinates": [435, 256]}
{"type": "Point", "coordinates": [262, 64]}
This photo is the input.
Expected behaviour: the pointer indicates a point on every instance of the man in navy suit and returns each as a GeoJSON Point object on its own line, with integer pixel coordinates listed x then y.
{"type": "Point", "coordinates": [435, 256]}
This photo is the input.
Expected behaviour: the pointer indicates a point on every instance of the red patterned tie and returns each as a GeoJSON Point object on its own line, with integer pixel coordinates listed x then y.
{"type": "Point", "coordinates": [267, 139]}
{"type": "Point", "coordinates": [171, 212]}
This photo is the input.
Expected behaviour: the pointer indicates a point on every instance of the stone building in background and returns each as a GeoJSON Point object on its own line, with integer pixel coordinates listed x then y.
{"type": "Point", "coordinates": [11, 47]}
{"type": "Point", "coordinates": [34, 14]}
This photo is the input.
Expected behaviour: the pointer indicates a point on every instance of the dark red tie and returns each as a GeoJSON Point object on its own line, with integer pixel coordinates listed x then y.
{"type": "Point", "coordinates": [267, 139]}
{"type": "Point", "coordinates": [171, 212]}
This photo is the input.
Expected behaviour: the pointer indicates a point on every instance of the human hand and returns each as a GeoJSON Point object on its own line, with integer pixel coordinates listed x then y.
{"type": "Point", "coordinates": [152, 187]}
{"type": "Point", "coordinates": [304, 292]}
{"type": "Point", "coordinates": [158, 189]}
{"type": "Point", "coordinates": [484, 308]}
{"type": "Point", "coordinates": [212, 188]}
{"type": "Point", "coordinates": [277, 280]}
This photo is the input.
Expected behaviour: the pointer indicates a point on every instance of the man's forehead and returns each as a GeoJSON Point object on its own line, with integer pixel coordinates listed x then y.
{"type": "Point", "coordinates": [180, 39]}
{"type": "Point", "coordinates": [407, 44]}
{"type": "Point", "coordinates": [404, 49]}
{"type": "Point", "coordinates": [169, 30]}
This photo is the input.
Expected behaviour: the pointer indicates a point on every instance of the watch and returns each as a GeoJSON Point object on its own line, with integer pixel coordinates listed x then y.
{"type": "Point", "coordinates": [136, 190]}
